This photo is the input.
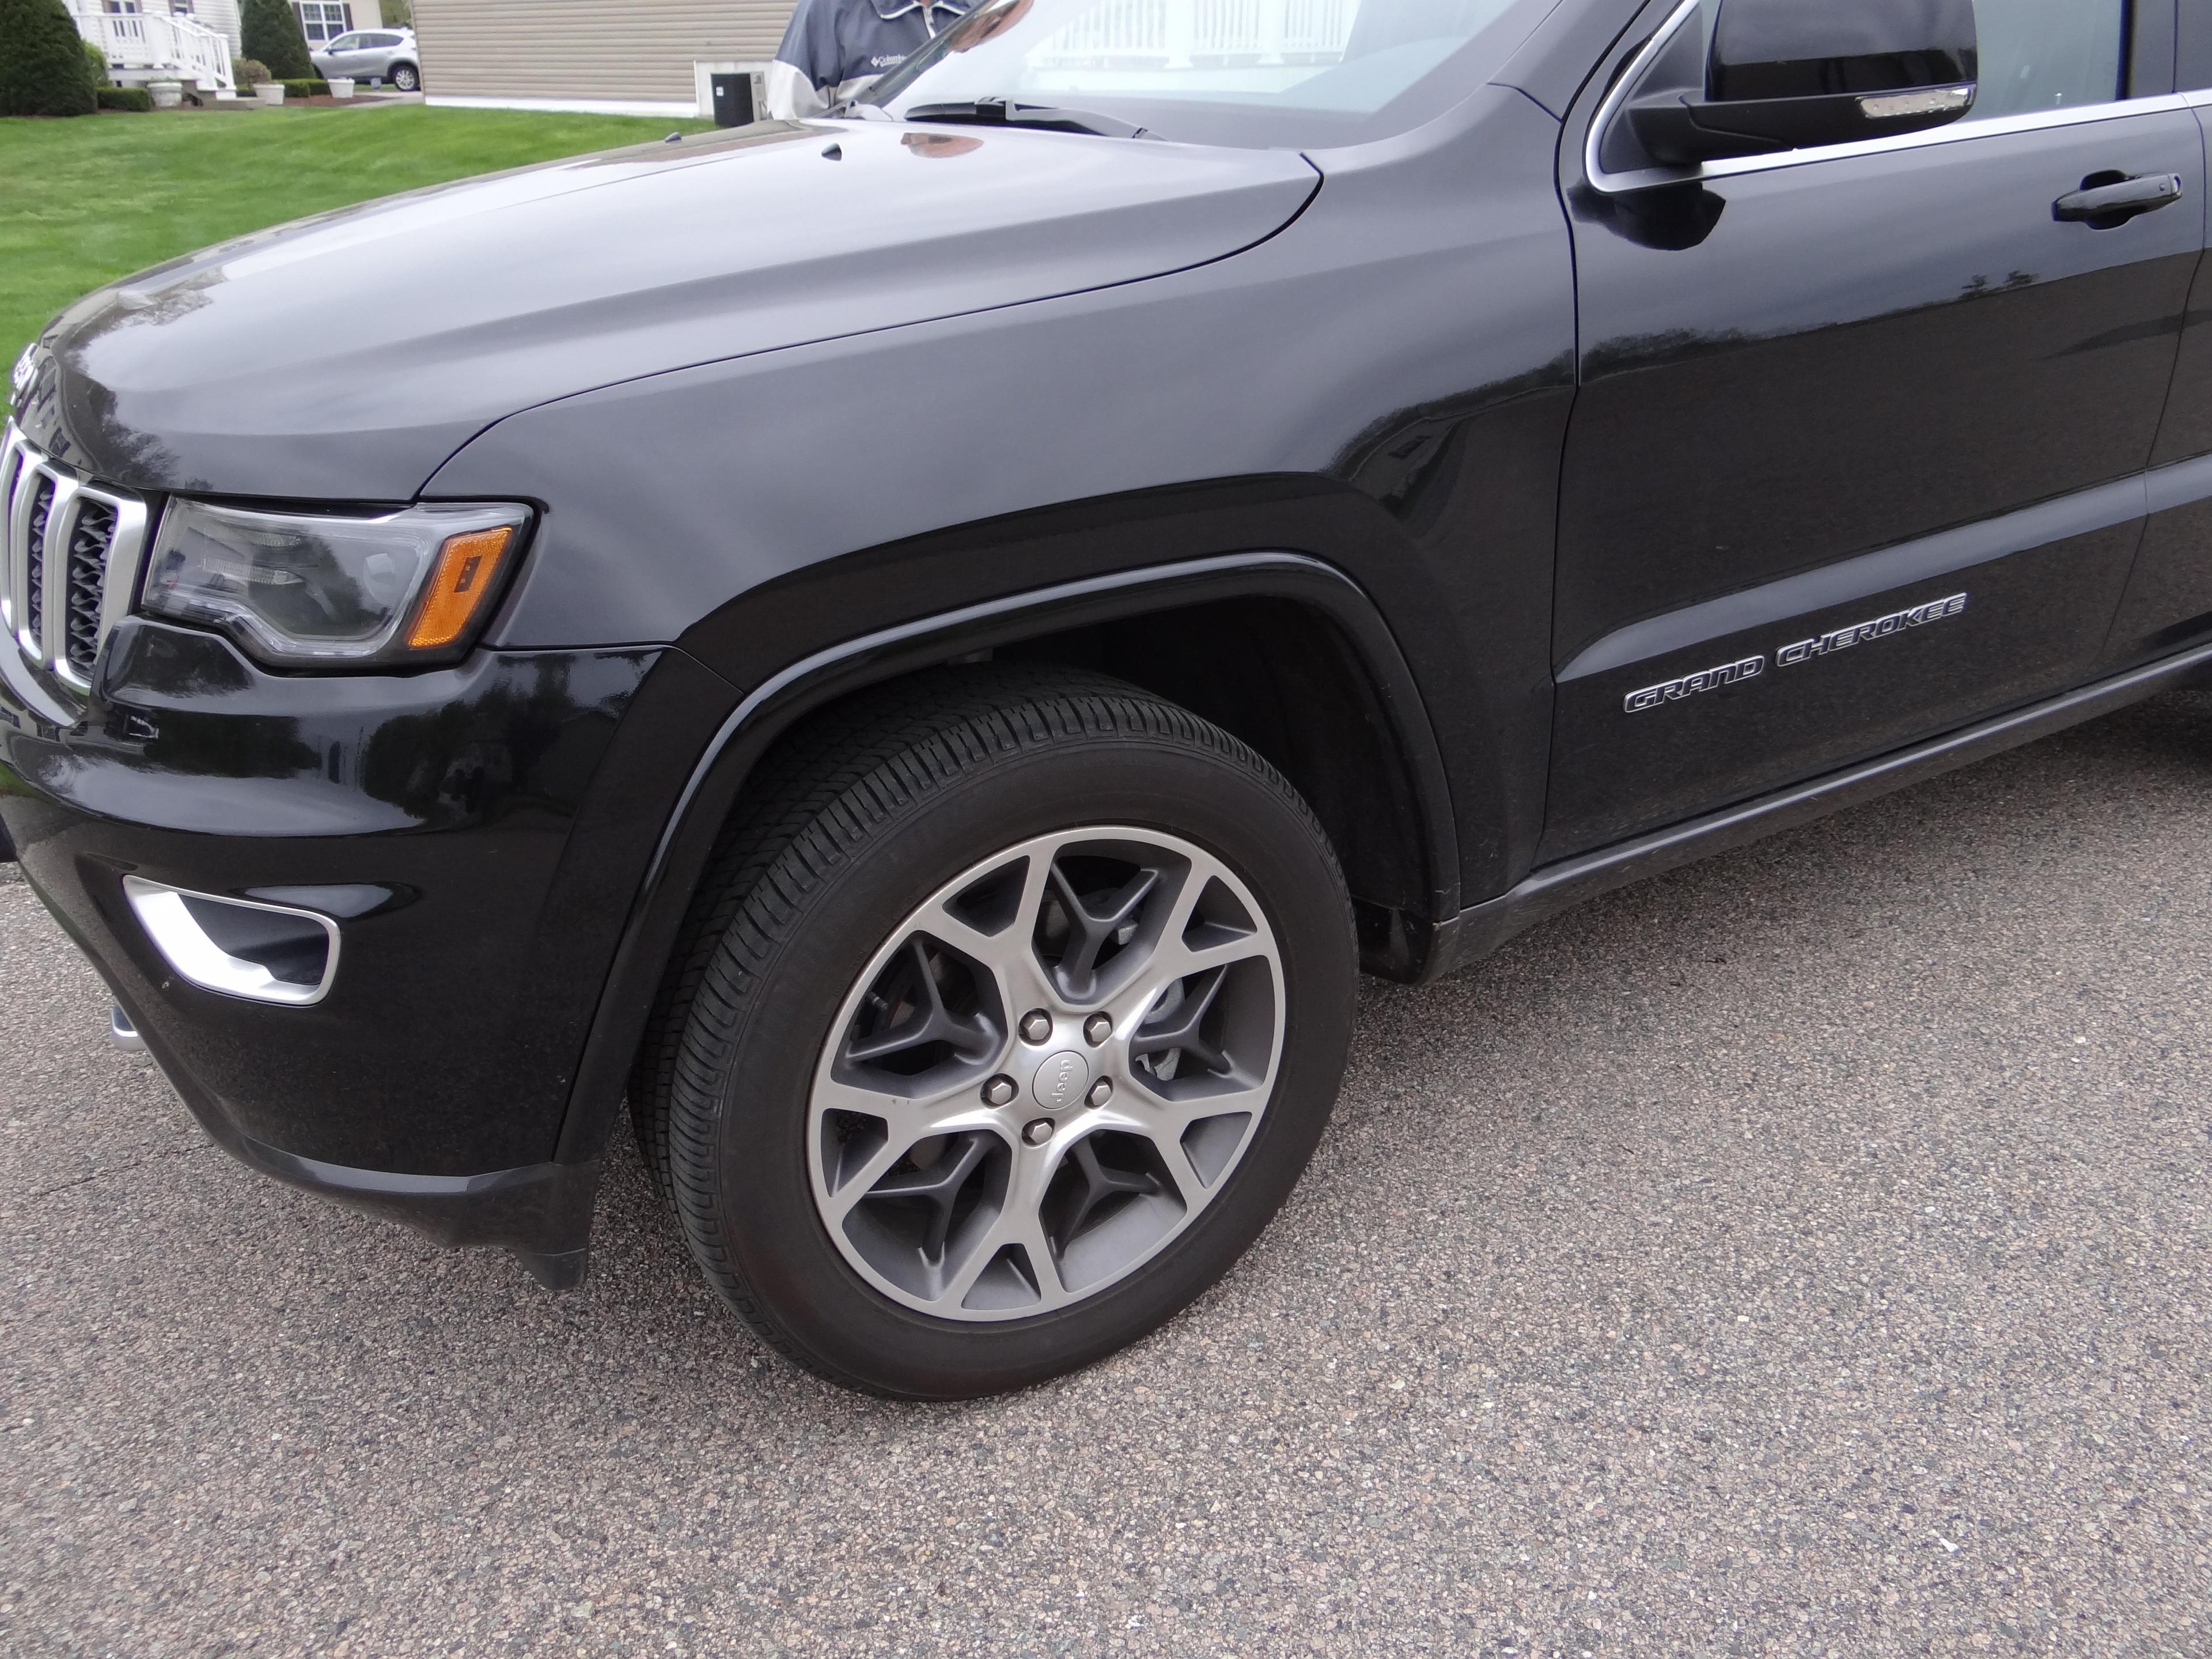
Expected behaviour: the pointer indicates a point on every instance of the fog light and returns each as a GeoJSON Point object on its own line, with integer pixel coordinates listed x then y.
{"type": "Point", "coordinates": [262, 952]}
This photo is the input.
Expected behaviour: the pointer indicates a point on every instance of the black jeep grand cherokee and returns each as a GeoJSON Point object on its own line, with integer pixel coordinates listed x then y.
{"type": "Point", "coordinates": [925, 648]}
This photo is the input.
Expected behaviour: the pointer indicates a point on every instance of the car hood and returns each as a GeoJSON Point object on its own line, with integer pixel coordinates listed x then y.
{"type": "Point", "coordinates": [346, 357]}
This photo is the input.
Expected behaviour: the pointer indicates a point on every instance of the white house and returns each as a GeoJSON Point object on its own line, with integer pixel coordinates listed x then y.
{"type": "Point", "coordinates": [195, 41]}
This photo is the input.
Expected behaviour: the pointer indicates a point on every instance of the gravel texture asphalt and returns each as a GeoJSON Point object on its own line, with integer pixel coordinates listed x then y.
{"type": "Point", "coordinates": [1804, 1253]}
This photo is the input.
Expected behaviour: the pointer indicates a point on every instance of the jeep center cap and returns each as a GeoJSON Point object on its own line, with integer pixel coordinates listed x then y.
{"type": "Point", "coordinates": [1061, 1080]}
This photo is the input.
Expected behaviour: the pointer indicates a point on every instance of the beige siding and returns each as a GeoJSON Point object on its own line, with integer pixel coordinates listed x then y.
{"type": "Point", "coordinates": [609, 49]}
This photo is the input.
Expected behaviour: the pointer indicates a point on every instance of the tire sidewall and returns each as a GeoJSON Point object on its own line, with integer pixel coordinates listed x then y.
{"type": "Point", "coordinates": [764, 1210]}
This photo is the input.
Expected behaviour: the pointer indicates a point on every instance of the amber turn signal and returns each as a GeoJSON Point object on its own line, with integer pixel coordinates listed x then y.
{"type": "Point", "coordinates": [468, 569]}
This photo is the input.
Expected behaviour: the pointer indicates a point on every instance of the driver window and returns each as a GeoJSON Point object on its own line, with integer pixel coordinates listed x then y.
{"type": "Point", "coordinates": [2040, 55]}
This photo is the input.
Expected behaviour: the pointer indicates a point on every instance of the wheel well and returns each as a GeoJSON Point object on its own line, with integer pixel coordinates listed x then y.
{"type": "Point", "coordinates": [1315, 685]}
{"type": "Point", "coordinates": [1283, 677]}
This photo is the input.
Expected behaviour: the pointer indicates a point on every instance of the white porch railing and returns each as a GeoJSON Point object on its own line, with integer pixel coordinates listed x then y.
{"type": "Point", "coordinates": [138, 41]}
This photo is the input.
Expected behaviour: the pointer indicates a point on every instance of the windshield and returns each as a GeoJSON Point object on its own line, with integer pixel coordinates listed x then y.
{"type": "Point", "coordinates": [1306, 73]}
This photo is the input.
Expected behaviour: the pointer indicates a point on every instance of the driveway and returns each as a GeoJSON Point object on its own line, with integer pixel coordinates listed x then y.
{"type": "Point", "coordinates": [1805, 1254]}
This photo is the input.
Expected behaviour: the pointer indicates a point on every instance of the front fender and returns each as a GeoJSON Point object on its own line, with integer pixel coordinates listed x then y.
{"type": "Point", "coordinates": [716, 781]}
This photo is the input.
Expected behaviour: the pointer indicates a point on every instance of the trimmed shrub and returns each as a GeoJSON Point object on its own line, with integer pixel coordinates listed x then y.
{"type": "Point", "coordinates": [249, 73]}
{"type": "Point", "coordinates": [270, 30]}
{"type": "Point", "coordinates": [307, 88]}
{"type": "Point", "coordinates": [43, 69]}
{"type": "Point", "coordinates": [137, 99]}
{"type": "Point", "coordinates": [398, 14]}
{"type": "Point", "coordinates": [96, 62]}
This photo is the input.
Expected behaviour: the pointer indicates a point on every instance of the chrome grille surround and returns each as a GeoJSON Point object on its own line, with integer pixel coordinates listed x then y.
{"type": "Point", "coordinates": [69, 554]}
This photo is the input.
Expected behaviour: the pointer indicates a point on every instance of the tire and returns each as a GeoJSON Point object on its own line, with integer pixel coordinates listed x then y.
{"type": "Point", "coordinates": [801, 777]}
{"type": "Point", "coordinates": [405, 77]}
{"type": "Point", "coordinates": [1013, 1014]}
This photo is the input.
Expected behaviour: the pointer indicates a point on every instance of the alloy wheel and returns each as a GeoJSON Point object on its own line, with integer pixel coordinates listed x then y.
{"type": "Point", "coordinates": [1046, 1073]}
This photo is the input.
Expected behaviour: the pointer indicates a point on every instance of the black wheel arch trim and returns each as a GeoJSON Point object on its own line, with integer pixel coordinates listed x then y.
{"type": "Point", "coordinates": [679, 860]}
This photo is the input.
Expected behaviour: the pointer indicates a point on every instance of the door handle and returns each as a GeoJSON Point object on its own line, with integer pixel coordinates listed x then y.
{"type": "Point", "coordinates": [2108, 200]}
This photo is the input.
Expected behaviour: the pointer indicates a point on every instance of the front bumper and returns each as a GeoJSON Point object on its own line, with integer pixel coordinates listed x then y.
{"type": "Point", "coordinates": [455, 825]}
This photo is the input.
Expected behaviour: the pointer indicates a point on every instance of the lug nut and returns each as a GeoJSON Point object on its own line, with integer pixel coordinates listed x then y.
{"type": "Point", "coordinates": [1000, 1092]}
{"type": "Point", "coordinates": [1036, 1026]}
{"type": "Point", "coordinates": [1096, 1030]}
{"type": "Point", "coordinates": [1037, 1130]}
{"type": "Point", "coordinates": [1101, 1091]}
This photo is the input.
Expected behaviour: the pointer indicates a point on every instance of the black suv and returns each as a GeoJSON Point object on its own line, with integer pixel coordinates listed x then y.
{"type": "Point", "coordinates": [927, 647]}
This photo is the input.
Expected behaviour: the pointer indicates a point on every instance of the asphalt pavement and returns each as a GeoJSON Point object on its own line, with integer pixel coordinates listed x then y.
{"type": "Point", "coordinates": [1803, 1254]}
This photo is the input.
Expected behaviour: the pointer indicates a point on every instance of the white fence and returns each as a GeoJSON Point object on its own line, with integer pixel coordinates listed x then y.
{"type": "Point", "coordinates": [1177, 33]}
{"type": "Point", "coordinates": [138, 42]}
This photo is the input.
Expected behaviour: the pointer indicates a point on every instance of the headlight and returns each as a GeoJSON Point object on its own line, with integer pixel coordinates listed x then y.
{"type": "Point", "coordinates": [303, 590]}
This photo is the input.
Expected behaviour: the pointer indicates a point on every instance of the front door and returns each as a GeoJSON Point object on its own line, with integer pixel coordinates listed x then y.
{"type": "Point", "coordinates": [1859, 452]}
{"type": "Point", "coordinates": [345, 56]}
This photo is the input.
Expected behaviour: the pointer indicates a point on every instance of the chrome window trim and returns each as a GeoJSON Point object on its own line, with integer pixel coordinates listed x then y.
{"type": "Point", "coordinates": [185, 946]}
{"type": "Point", "coordinates": [1960, 131]}
{"type": "Point", "coordinates": [23, 468]}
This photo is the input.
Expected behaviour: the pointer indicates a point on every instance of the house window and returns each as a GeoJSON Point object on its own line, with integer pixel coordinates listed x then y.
{"type": "Point", "coordinates": [323, 20]}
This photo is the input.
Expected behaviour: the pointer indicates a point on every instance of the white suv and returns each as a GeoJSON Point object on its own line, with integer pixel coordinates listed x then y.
{"type": "Point", "coordinates": [371, 55]}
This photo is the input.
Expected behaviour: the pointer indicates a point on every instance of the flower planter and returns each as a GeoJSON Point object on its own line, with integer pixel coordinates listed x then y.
{"type": "Point", "coordinates": [271, 95]}
{"type": "Point", "coordinates": [342, 86]}
{"type": "Point", "coordinates": [166, 94]}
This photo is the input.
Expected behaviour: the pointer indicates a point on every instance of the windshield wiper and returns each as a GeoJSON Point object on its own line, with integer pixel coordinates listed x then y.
{"type": "Point", "coordinates": [1003, 113]}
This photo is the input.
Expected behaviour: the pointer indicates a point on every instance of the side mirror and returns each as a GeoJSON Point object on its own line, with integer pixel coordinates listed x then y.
{"type": "Point", "coordinates": [1794, 74]}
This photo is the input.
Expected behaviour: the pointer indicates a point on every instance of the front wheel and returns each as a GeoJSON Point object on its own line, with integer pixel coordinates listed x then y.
{"type": "Point", "coordinates": [1016, 1044]}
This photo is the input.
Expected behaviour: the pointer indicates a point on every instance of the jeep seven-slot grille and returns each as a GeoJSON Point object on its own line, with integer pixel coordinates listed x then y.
{"type": "Point", "coordinates": [87, 565]}
{"type": "Point", "coordinates": [70, 550]}
{"type": "Point", "coordinates": [35, 549]}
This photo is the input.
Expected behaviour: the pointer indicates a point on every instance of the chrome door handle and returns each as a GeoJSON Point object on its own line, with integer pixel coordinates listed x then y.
{"type": "Point", "coordinates": [2107, 201]}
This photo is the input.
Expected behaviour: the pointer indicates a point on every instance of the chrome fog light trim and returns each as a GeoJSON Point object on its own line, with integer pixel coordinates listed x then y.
{"type": "Point", "coordinates": [264, 969]}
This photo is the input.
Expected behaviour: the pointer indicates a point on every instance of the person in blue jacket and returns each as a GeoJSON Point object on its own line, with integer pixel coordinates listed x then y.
{"type": "Point", "coordinates": [833, 48]}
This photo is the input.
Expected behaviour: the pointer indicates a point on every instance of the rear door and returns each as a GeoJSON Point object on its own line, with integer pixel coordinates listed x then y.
{"type": "Point", "coordinates": [377, 53]}
{"type": "Point", "coordinates": [1860, 448]}
{"type": "Point", "coordinates": [2168, 607]}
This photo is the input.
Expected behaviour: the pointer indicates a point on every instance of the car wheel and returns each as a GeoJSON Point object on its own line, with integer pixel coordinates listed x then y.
{"type": "Point", "coordinates": [406, 77]}
{"type": "Point", "coordinates": [1015, 1042]}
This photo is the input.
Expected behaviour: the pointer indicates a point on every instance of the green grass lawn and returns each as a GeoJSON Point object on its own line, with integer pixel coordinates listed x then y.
{"type": "Point", "coordinates": [85, 201]}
